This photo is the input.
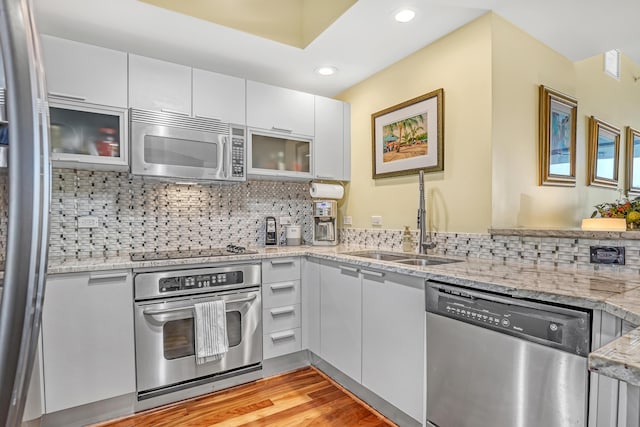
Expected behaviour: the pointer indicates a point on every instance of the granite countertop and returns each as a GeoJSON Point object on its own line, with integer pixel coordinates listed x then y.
{"type": "Point", "coordinates": [615, 293]}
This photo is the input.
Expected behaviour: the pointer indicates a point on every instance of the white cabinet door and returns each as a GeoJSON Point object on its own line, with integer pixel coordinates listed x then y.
{"type": "Point", "coordinates": [346, 146]}
{"type": "Point", "coordinates": [83, 72]}
{"type": "Point", "coordinates": [279, 109]}
{"type": "Point", "coordinates": [329, 139]}
{"type": "Point", "coordinates": [159, 86]}
{"type": "Point", "coordinates": [341, 318]}
{"type": "Point", "coordinates": [217, 96]}
{"type": "Point", "coordinates": [393, 339]}
{"type": "Point", "coordinates": [87, 333]}
{"type": "Point", "coordinates": [311, 305]}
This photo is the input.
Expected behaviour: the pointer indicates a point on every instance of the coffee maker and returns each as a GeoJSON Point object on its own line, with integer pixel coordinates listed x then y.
{"type": "Point", "coordinates": [325, 222]}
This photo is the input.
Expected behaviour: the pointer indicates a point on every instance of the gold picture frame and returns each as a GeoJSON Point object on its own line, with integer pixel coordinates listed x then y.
{"type": "Point", "coordinates": [633, 152]}
{"type": "Point", "coordinates": [604, 154]}
{"type": "Point", "coordinates": [557, 138]}
{"type": "Point", "coordinates": [409, 137]}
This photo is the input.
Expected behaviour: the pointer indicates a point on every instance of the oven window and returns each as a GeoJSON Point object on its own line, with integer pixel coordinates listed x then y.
{"type": "Point", "coordinates": [179, 339]}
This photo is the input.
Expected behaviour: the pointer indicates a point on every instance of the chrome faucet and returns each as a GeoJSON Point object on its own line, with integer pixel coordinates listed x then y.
{"type": "Point", "coordinates": [424, 240]}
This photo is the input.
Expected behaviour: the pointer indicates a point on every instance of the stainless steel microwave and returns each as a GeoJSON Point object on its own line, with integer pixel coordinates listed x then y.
{"type": "Point", "coordinates": [170, 145]}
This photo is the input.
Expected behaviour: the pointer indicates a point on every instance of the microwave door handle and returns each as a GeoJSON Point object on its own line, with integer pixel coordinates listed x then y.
{"type": "Point", "coordinates": [225, 155]}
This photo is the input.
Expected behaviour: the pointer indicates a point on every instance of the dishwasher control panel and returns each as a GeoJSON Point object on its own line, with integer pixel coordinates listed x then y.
{"type": "Point", "coordinates": [550, 325]}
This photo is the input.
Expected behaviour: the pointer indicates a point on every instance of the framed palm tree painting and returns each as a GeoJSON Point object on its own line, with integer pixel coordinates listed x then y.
{"type": "Point", "coordinates": [409, 137]}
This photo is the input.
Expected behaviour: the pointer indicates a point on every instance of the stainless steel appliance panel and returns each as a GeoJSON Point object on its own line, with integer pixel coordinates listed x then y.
{"type": "Point", "coordinates": [170, 145]}
{"type": "Point", "coordinates": [165, 338]}
{"type": "Point", "coordinates": [477, 378]}
{"type": "Point", "coordinates": [496, 361]}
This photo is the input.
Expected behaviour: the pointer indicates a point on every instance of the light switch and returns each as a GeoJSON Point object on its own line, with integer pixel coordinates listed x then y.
{"type": "Point", "coordinates": [376, 220]}
{"type": "Point", "coordinates": [347, 220]}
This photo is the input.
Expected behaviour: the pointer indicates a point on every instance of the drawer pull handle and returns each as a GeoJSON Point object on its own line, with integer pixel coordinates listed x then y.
{"type": "Point", "coordinates": [372, 273]}
{"type": "Point", "coordinates": [281, 286]}
{"type": "Point", "coordinates": [349, 269]}
{"type": "Point", "coordinates": [280, 311]}
{"type": "Point", "coordinates": [108, 276]}
{"type": "Point", "coordinates": [282, 336]}
{"type": "Point", "coordinates": [282, 262]}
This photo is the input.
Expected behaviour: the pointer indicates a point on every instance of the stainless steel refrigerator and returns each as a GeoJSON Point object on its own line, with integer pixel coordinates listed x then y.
{"type": "Point", "coordinates": [29, 189]}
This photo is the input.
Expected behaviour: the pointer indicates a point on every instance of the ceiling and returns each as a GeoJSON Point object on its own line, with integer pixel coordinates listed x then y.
{"type": "Point", "coordinates": [360, 42]}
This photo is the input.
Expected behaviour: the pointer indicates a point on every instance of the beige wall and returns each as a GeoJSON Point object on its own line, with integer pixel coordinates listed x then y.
{"type": "Point", "coordinates": [490, 72]}
{"type": "Point", "coordinates": [520, 65]}
{"type": "Point", "coordinates": [459, 198]}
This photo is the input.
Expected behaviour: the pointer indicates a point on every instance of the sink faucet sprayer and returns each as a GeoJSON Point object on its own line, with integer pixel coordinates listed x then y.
{"type": "Point", "coordinates": [424, 239]}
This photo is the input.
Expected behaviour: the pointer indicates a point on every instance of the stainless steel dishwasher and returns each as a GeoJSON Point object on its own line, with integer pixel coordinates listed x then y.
{"type": "Point", "coordinates": [498, 361]}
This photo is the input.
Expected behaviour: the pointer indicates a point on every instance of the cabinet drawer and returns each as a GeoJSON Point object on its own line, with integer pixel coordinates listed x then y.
{"type": "Point", "coordinates": [283, 342]}
{"type": "Point", "coordinates": [281, 318]}
{"type": "Point", "coordinates": [279, 294]}
{"type": "Point", "coordinates": [280, 270]}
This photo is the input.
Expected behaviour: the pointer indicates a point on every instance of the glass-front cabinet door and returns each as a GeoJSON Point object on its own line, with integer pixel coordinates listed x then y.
{"type": "Point", "coordinates": [279, 155]}
{"type": "Point", "coordinates": [88, 136]}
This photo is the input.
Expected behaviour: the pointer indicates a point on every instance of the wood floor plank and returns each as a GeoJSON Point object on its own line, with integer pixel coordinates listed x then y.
{"type": "Point", "coordinates": [305, 398]}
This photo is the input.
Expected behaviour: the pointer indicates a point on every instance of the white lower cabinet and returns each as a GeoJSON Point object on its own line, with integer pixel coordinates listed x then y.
{"type": "Point", "coordinates": [310, 299]}
{"type": "Point", "coordinates": [393, 339]}
{"type": "Point", "coordinates": [341, 318]}
{"type": "Point", "coordinates": [87, 338]}
{"type": "Point", "coordinates": [281, 314]}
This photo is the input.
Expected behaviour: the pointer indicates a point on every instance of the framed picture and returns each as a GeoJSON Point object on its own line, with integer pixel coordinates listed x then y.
{"type": "Point", "coordinates": [409, 137]}
{"type": "Point", "coordinates": [557, 138]}
{"type": "Point", "coordinates": [604, 151]}
{"type": "Point", "coordinates": [633, 161]}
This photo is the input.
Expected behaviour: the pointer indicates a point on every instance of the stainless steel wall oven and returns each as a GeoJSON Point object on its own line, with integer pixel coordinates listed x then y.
{"type": "Point", "coordinates": [165, 333]}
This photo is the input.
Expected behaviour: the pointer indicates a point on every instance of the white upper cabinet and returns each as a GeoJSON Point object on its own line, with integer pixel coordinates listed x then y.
{"type": "Point", "coordinates": [2, 83]}
{"type": "Point", "coordinates": [279, 109]}
{"type": "Point", "coordinates": [159, 86]}
{"type": "Point", "coordinates": [220, 97]}
{"type": "Point", "coordinates": [332, 142]}
{"type": "Point", "coordinates": [80, 72]}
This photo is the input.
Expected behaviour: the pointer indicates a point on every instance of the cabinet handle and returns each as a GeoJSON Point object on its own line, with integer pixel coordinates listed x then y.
{"type": "Point", "coordinates": [349, 269]}
{"type": "Point", "coordinates": [68, 96]}
{"type": "Point", "coordinates": [3, 122]}
{"type": "Point", "coordinates": [282, 262]}
{"type": "Point", "coordinates": [281, 286]}
{"type": "Point", "coordinates": [284, 310]}
{"type": "Point", "coordinates": [167, 110]}
{"type": "Point", "coordinates": [372, 273]}
{"type": "Point", "coordinates": [217, 119]}
{"type": "Point", "coordinates": [282, 129]}
{"type": "Point", "coordinates": [282, 335]}
{"type": "Point", "coordinates": [108, 276]}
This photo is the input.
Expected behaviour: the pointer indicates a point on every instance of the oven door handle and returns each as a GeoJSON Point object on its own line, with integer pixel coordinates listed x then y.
{"type": "Point", "coordinates": [156, 312]}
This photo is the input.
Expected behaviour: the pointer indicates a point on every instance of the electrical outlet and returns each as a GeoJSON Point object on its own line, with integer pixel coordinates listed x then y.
{"type": "Point", "coordinates": [347, 220]}
{"type": "Point", "coordinates": [376, 220]}
{"type": "Point", "coordinates": [87, 221]}
{"type": "Point", "coordinates": [285, 220]}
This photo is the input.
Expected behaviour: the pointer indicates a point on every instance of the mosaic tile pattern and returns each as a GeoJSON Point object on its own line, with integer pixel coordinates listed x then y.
{"type": "Point", "coordinates": [527, 250]}
{"type": "Point", "coordinates": [135, 214]}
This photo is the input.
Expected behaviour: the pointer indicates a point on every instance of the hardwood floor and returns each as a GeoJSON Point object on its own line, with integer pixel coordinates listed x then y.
{"type": "Point", "coordinates": [302, 398]}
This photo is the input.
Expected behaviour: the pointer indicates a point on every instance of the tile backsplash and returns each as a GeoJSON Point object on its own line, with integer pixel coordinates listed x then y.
{"type": "Point", "coordinates": [137, 214]}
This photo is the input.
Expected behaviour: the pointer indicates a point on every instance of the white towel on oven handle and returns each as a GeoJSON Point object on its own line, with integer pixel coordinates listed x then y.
{"type": "Point", "coordinates": [211, 331]}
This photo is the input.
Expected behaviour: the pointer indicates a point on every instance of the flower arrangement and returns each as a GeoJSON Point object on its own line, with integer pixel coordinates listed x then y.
{"type": "Point", "coordinates": [622, 208]}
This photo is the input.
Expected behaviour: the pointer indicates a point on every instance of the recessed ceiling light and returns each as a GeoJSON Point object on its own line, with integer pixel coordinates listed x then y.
{"type": "Point", "coordinates": [405, 15]}
{"type": "Point", "coordinates": [326, 70]}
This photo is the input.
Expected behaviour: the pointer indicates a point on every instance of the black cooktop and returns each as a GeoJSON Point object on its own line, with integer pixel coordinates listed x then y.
{"type": "Point", "coordinates": [190, 253]}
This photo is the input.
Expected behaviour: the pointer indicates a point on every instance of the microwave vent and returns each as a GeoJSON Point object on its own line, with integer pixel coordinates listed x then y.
{"type": "Point", "coordinates": [179, 121]}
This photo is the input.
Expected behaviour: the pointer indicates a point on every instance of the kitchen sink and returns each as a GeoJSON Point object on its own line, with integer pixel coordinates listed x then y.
{"type": "Point", "coordinates": [427, 261]}
{"type": "Point", "coordinates": [379, 255]}
{"type": "Point", "coordinates": [402, 258]}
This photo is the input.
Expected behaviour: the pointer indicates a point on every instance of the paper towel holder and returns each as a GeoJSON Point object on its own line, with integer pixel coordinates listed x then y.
{"type": "Point", "coordinates": [319, 190]}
